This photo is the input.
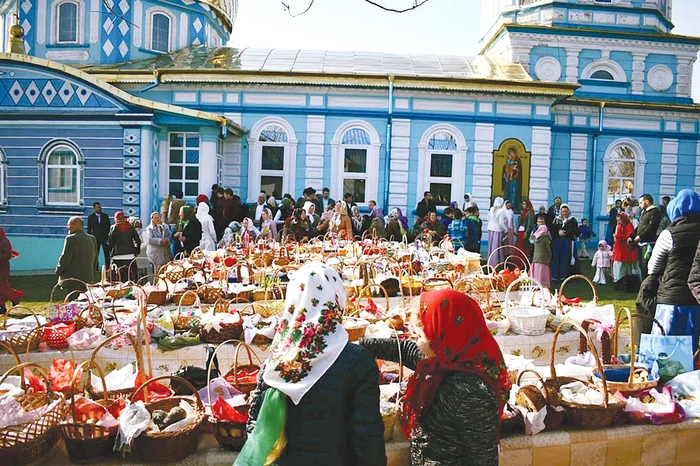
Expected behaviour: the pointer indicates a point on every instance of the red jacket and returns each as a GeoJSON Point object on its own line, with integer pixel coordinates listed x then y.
{"type": "Point", "coordinates": [623, 252]}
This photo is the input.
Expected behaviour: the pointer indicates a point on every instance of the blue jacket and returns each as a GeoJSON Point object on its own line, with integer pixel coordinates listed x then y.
{"type": "Point", "coordinates": [458, 233]}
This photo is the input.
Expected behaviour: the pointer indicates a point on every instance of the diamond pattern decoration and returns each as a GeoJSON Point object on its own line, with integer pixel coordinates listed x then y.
{"type": "Point", "coordinates": [123, 27]}
{"type": "Point", "coordinates": [131, 162]}
{"type": "Point", "coordinates": [83, 95]}
{"type": "Point", "coordinates": [131, 135]}
{"type": "Point", "coordinates": [27, 26]}
{"type": "Point", "coordinates": [131, 199]}
{"type": "Point", "coordinates": [32, 92]}
{"type": "Point", "coordinates": [123, 49]}
{"type": "Point", "coordinates": [130, 187]}
{"type": "Point", "coordinates": [66, 92]}
{"type": "Point", "coordinates": [16, 92]}
{"type": "Point", "coordinates": [131, 150]}
{"type": "Point", "coordinates": [49, 92]}
{"type": "Point", "coordinates": [197, 25]}
{"type": "Point", "coordinates": [131, 174]}
{"type": "Point", "coordinates": [108, 48]}
{"type": "Point", "coordinates": [132, 211]}
{"type": "Point", "coordinates": [124, 5]}
{"type": "Point", "coordinates": [26, 6]}
{"type": "Point", "coordinates": [108, 25]}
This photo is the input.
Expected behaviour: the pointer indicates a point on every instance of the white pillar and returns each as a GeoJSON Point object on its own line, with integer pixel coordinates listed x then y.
{"type": "Point", "coordinates": [638, 73]}
{"type": "Point", "coordinates": [572, 64]}
{"type": "Point", "coordinates": [399, 167]}
{"type": "Point", "coordinates": [669, 165]}
{"type": "Point", "coordinates": [315, 138]}
{"type": "Point", "coordinates": [146, 183]}
{"type": "Point", "coordinates": [207, 159]}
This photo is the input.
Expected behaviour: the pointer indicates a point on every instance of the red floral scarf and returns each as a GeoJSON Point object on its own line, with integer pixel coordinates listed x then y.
{"type": "Point", "coordinates": [455, 326]}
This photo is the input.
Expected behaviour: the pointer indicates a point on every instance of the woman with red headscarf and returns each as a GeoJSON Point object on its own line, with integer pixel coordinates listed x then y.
{"type": "Point", "coordinates": [526, 225]}
{"type": "Point", "coordinates": [7, 293]}
{"type": "Point", "coordinates": [125, 245]}
{"type": "Point", "coordinates": [456, 395]}
{"type": "Point", "coordinates": [624, 255]}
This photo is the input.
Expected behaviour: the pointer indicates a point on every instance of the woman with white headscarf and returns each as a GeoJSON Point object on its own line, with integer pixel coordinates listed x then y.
{"type": "Point", "coordinates": [311, 216]}
{"type": "Point", "coordinates": [158, 242]}
{"type": "Point", "coordinates": [356, 221]}
{"type": "Point", "coordinates": [208, 241]}
{"type": "Point", "coordinates": [340, 221]}
{"type": "Point", "coordinates": [317, 400]}
{"type": "Point", "coordinates": [249, 232]}
{"type": "Point", "coordinates": [268, 227]}
{"type": "Point", "coordinates": [496, 228]}
{"type": "Point", "coordinates": [232, 230]}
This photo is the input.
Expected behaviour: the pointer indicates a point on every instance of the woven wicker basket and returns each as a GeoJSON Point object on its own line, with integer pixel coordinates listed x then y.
{"type": "Point", "coordinates": [228, 332]}
{"type": "Point", "coordinates": [113, 394]}
{"type": "Point", "coordinates": [158, 296]}
{"type": "Point", "coordinates": [88, 443]}
{"type": "Point", "coordinates": [36, 440]}
{"type": "Point", "coordinates": [210, 293]}
{"type": "Point", "coordinates": [24, 340]}
{"type": "Point", "coordinates": [233, 374]}
{"type": "Point", "coordinates": [526, 320]}
{"type": "Point", "coordinates": [166, 447]}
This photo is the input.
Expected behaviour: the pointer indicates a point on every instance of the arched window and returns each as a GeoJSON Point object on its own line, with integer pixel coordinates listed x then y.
{"type": "Point", "coordinates": [442, 154]}
{"type": "Point", "coordinates": [603, 74]}
{"type": "Point", "coordinates": [355, 162]}
{"type": "Point", "coordinates": [272, 159]}
{"type": "Point", "coordinates": [68, 20]}
{"type": "Point", "coordinates": [62, 174]}
{"type": "Point", "coordinates": [160, 33]}
{"type": "Point", "coordinates": [623, 171]}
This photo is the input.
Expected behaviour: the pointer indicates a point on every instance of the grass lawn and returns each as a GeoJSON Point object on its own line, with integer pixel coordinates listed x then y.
{"type": "Point", "coordinates": [38, 290]}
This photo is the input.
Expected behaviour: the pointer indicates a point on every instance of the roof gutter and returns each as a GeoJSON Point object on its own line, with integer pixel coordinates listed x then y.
{"type": "Point", "coordinates": [155, 83]}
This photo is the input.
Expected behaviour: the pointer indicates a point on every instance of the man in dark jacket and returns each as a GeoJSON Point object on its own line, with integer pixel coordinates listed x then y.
{"type": "Point", "coordinates": [78, 257]}
{"type": "Point", "coordinates": [309, 194]}
{"type": "Point", "coordinates": [612, 222]}
{"type": "Point", "coordinates": [325, 200]}
{"type": "Point", "coordinates": [98, 226]}
{"type": "Point", "coordinates": [645, 233]}
{"type": "Point", "coordinates": [424, 207]}
{"type": "Point", "coordinates": [553, 213]}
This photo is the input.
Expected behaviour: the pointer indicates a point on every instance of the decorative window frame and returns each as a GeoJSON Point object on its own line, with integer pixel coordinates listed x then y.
{"type": "Point", "coordinates": [610, 66]}
{"type": "Point", "coordinates": [640, 162]}
{"type": "Point", "coordinates": [255, 156]}
{"type": "Point", "coordinates": [56, 23]}
{"type": "Point", "coordinates": [3, 179]}
{"type": "Point", "coordinates": [338, 158]}
{"type": "Point", "coordinates": [459, 161]}
{"type": "Point", "coordinates": [184, 164]}
{"type": "Point", "coordinates": [45, 151]}
{"type": "Point", "coordinates": [148, 31]}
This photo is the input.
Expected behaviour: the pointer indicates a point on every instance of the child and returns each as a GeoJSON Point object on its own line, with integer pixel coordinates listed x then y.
{"type": "Point", "coordinates": [585, 237]}
{"type": "Point", "coordinates": [601, 261]}
{"type": "Point", "coordinates": [473, 225]}
{"type": "Point", "coordinates": [457, 230]}
{"type": "Point", "coordinates": [542, 255]}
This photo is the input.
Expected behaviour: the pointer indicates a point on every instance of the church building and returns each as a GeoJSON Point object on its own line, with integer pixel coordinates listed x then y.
{"type": "Point", "coordinates": [125, 101]}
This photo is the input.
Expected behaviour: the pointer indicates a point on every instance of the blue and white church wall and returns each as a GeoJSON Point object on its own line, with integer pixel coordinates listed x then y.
{"type": "Point", "coordinates": [113, 31]}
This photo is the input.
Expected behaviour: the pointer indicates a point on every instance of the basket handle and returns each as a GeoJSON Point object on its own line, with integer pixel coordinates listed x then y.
{"type": "Point", "coordinates": [76, 292]}
{"type": "Point", "coordinates": [574, 277]}
{"type": "Point", "coordinates": [438, 280]}
{"type": "Point", "coordinates": [591, 348]}
{"type": "Point", "coordinates": [187, 384]}
{"type": "Point", "coordinates": [155, 281]}
{"type": "Point", "coordinates": [542, 389]}
{"type": "Point", "coordinates": [499, 248]}
{"type": "Point", "coordinates": [518, 280]}
{"type": "Point", "coordinates": [369, 287]}
{"type": "Point", "coordinates": [21, 367]}
{"type": "Point", "coordinates": [11, 351]}
{"type": "Point", "coordinates": [582, 343]}
{"type": "Point", "coordinates": [93, 312]}
{"type": "Point", "coordinates": [128, 336]}
{"type": "Point", "coordinates": [250, 358]}
{"type": "Point", "coordinates": [621, 317]}
{"type": "Point", "coordinates": [19, 306]}
{"type": "Point", "coordinates": [211, 361]}
{"type": "Point", "coordinates": [197, 302]}
{"type": "Point", "coordinates": [75, 378]}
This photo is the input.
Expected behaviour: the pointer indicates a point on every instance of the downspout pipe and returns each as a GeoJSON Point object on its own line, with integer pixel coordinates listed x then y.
{"type": "Point", "coordinates": [601, 116]}
{"type": "Point", "coordinates": [154, 84]}
{"type": "Point", "coordinates": [387, 157]}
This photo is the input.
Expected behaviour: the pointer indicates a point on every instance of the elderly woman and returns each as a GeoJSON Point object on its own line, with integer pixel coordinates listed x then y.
{"type": "Point", "coordinates": [125, 245]}
{"type": "Point", "coordinates": [158, 242]}
{"type": "Point", "coordinates": [230, 233]}
{"type": "Point", "coordinates": [208, 241]}
{"type": "Point", "coordinates": [396, 225]}
{"type": "Point", "coordinates": [356, 220]}
{"type": "Point", "coordinates": [565, 228]}
{"type": "Point", "coordinates": [189, 231]}
{"type": "Point", "coordinates": [311, 216]}
{"type": "Point", "coordinates": [317, 399]}
{"type": "Point", "coordinates": [671, 261]}
{"type": "Point", "coordinates": [455, 397]}
{"type": "Point", "coordinates": [340, 222]}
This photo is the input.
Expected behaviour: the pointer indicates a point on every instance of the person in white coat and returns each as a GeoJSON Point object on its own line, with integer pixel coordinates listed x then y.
{"type": "Point", "coordinates": [496, 227]}
{"type": "Point", "coordinates": [208, 241]}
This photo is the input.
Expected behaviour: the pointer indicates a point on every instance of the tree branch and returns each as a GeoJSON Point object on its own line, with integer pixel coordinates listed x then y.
{"type": "Point", "coordinates": [116, 15]}
{"type": "Point", "coordinates": [416, 4]}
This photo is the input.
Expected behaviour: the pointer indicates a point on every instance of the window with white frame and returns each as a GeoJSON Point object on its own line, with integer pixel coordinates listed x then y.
{"type": "Point", "coordinates": [220, 162]}
{"type": "Point", "coordinates": [62, 176]}
{"type": "Point", "coordinates": [3, 177]}
{"type": "Point", "coordinates": [604, 69]}
{"type": "Point", "coordinates": [442, 155]}
{"type": "Point", "coordinates": [272, 158]}
{"type": "Point", "coordinates": [67, 21]}
{"type": "Point", "coordinates": [623, 172]}
{"type": "Point", "coordinates": [160, 41]}
{"type": "Point", "coordinates": [355, 146]}
{"type": "Point", "coordinates": [183, 167]}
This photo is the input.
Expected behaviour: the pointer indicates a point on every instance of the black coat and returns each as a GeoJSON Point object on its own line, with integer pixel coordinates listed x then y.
{"type": "Point", "coordinates": [122, 243]}
{"type": "Point", "coordinates": [694, 278]}
{"type": "Point", "coordinates": [648, 225]}
{"type": "Point", "coordinates": [460, 428]}
{"type": "Point", "coordinates": [674, 285]}
{"type": "Point", "coordinates": [337, 422]}
{"type": "Point", "coordinates": [424, 207]}
{"type": "Point", "coordinates": [99, 230]}
{"type": "Point", "coordinates": [193, 235]}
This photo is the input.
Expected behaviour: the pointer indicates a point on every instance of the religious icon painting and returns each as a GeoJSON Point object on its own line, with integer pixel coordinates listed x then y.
{"type": "Point", "coordinates": [511, 173]}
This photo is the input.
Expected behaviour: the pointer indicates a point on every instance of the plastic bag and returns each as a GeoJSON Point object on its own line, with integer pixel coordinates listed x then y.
{"type": "Point", "coordinates": [62, 312]}
{"type": "Point", "coordinates": [133, 420]}
{"type": "Point", "coordinates": [663, 410]}
{"type": "Point", "coordinates": [56, 334]}
{"type": "Point", "coordinates": [86, 338]}
{"type": "Point", "coordinates": [118, 379]}
{"type": "Point", "coordinates": [156, 390]}
{"type": "Point", "coordinates": [673, 355]}
{"type": "Point", "coordinates": [87, 411]}
{"type": "Point", "coordinates": [223, 411]}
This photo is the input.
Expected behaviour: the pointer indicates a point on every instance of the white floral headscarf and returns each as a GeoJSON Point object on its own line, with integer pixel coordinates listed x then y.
{"type": "Point", "coordinates": [310, 336]}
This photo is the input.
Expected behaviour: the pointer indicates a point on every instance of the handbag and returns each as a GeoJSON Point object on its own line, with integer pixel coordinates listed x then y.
{"type": "Point", "coordinates": [196, 375]}
{"type": "Point", "coordinates": [668, 356]}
